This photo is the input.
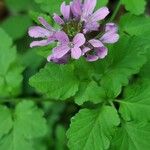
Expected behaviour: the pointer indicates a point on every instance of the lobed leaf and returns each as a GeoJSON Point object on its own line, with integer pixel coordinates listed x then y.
{"type": "Point", "coordinates": [132, 136]}
{"type": "Point", "coordinates": [56, 81]}
{"type": "Point", "coordinates": [21, 127]}
{"type": "Point", "coordinates": [92, 129]}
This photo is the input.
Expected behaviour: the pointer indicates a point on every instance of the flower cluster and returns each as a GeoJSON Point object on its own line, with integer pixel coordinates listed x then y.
{"type": "Point", "coordinates": [81, 32]}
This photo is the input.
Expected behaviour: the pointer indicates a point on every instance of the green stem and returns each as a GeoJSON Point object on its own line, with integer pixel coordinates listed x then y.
{"type": "Point", "coordinates": [119, 101]}
{"type": "Point", "coordinates": [112, 104]}
{"type": "Point", "coordinates": [115, 11]}
{"type": "Point", "coordinates": [17, 100]}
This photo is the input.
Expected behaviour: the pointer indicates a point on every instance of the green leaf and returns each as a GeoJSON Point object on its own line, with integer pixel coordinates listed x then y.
{"type": "Point", "coordinates": [26, 124]}
{"type": "Point", "coordinates": [16, 26]}
{"type": "Point", "coordinates": [130, 24]}
{"type": "Point", "coordinates": [51, 6]}
{"type": "Point", "coordinates": [6, 121]}
{"type": "Point", "coordinates": [56, 81]}
{"type": "Point", "coordinates": [34, 15]}
{"type": "Point", "coordinates": [132, 136]}
{"type": "Point", "coordinates": [136, 7]}
{"type": "Point", "coordinates": [92, 129]}
{"type": "Point", "coordinates": [122, 62]}
{"type": "Point", "coordinates": [19, 6]}
{"type": "Point", "coordinates": [101, 3]}
{"type": "Point", "coordinates": [136, 103]}
{"type": "Point", "coordinates": [90, 91]}
{"type": "Point", "coordinates": [10, 72]}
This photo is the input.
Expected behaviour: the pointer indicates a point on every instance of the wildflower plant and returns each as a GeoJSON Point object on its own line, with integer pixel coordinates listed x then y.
{"type": "Point", "coordinates": [79, 80]}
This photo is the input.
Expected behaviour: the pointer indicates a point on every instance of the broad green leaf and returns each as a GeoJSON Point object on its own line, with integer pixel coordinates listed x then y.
{"type": "Point", "coordinates": [136, 103]}
{"type": "Point", "coordinates": [16, 26]}
{"type": "Point", "coordinates": [124, 59]}
{"type": "Point", "coordinates": [92, 129]}
{"type": "Point", "coordinates": [56, 81]}
{"type": "Point", "coordinates": [135, 25]}
{"type": "Point", "coordinates": [26, 124]}
{"type": "Point", "coordinates": [132, 136]}
{"type": "Point", "coordinates": [51, 6]}
{"type": "Point", "coordinates": [10, 72]}
{"type": "Point", "coordinates": [89, 91]}
{"type": "Point", "coordinates": [136, 7]}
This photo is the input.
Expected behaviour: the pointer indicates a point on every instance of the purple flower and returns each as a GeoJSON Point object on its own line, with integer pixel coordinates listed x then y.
{"type": "Point", "coordinates": [76, 8]}
{"type": "Point", "coordinates": [66, 46]}
{"type": "Point", "coordinates": [110, 35]}
{"type": "Point", "coordinates": [81, 32]}
{"type": "Point", "coordinates": [66, 13]}
{"type": "Point", "coordinates": [91, 19]}
{"type": "Point", "coordinates": [95, 50]}
{"type": "Point", "coordinates": [47, 33]}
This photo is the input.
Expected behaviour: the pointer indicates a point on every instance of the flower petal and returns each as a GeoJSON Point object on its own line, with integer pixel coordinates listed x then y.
{"type": "Point", "coordinates": [100, 14]}
{"type": "Point", "coordinates": [65, 10]}
{"type": "Point", "coordinates": [58, 19]}
{"type": "Point", "coordinates": [45, 24]}
{"type": "Point", "coordinates": [39, 43]}
{"type": "Point", "coordinates": [88, 7]}
{"type": "Point", "coordinates": [102, 52]}
{"type": "Point", "coordinates": [39, 32]}
{"type": "Point", "coordinates": [111, 27]}
{"type": "Point", "coordinates": [62, 37]}
{"type": "Point", "coordinates": [62, 60]}
{"type": "Point", "coordinates": [76, 8]}
{"type": "Point", "coordinates": [110, 37]}
{"type": "Point", "coordinates": [92, 58]}
{"type": "Point", "coordinates": [85, 50]}
{"type": "Point", "coordinates": [60, 51]}
{"type": "Point", "coordinates": [79, 40]}
{"type": "Point", "coordinates": [91, 26]}
{"type": "Point", "coordinates": [96, 43]}
{"type": "Point", "coordinates": [76, 52]}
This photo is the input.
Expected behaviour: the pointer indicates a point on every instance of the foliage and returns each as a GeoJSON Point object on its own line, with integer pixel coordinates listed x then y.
{"type": "Point", "coordinates": [80, 105]}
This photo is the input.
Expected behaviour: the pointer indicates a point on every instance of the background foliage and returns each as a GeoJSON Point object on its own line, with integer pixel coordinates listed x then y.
{"type": "Point", "coordinates": [107, 102]}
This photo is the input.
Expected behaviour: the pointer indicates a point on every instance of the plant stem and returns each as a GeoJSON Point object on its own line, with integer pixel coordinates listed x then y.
{"type": "Point", "coordinates": [115, 11]}
{"type": "Point", "coordinates": [119, 101]}
{"type": "Point", "coordinates": [112, 104]}
{"type": "Point", "coordinates": [17, 100]}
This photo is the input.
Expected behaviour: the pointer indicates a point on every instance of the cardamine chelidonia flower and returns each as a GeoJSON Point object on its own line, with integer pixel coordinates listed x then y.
{"type": "Point", "coordinates": [81, 32]}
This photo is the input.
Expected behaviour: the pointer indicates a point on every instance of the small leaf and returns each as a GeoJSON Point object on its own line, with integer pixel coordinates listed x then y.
{"type": "Point", "coordinates": [92, 129]}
